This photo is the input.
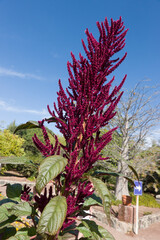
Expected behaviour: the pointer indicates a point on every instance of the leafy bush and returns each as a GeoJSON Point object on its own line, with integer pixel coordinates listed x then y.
{"type": "Point", "coordinates": [27, 170]}
{"type": "Point", "coordinates": [146, 200]}
{"type": "Point", "coordinates": [147, 213]}
{"type": "Point", "coordinates": [31, 152]}
{"type": "Point", "coordinates": [10, 144]}
{"type": "Point", "coordinates": [115, 202]}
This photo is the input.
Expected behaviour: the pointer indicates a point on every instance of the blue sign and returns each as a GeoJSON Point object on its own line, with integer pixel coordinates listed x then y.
{"type": "Point", "coordinates": [138, 188]}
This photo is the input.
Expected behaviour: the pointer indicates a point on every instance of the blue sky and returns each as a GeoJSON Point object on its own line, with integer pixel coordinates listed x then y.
{"type": "Point", "coordinates": [36, 38]}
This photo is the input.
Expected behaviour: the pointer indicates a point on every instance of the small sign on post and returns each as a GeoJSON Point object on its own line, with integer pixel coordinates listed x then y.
{"type": "Point", "coordinates": [138, 188]}
{"type": "Point", "coordinates": [137, 192]}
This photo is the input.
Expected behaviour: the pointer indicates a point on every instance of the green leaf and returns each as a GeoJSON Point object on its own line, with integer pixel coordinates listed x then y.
{"type": "Point", "coordinates": [21, 209]}
{"type": "Point", "coordinates": [9, 205]}
{"type": "Point", "coordinates": [22, 234]}
{"type": "Point", "coordinates": [105, 234]}
{"type": "Point", "coordinates": [31, 231]}
{"type": "Point", "coordinates": [19, 237]}
{"type": "Point", "coordinates": [22, 231]}
{"type": "Point", "coordinates": [71, 230]}
{"type": "Point", "coordinates": [103, 173]}
{"type": "Point", "coordinates": [91, 230]}
{"type": "Point", "coordinates": [52, 119]}
{"type": "Point", "coordinates": [134, 171]}
{"type": "Point", "coordinates": [66, 236]}
{"type": "Point", "coordinates": [114, 174]}
{"type": "Point", "coordinates": [53, 216]}
{"type": "Point", "coordinates": [10, 220]}
{"type": "Point", "coordinates": [102, 191]}
{"type": "Point", "coordinates": [129, 180]}
{"type": "Point", "coordinates": [85, 238]}
{"type": "Point", "coordinates": [7, 200]}
{"type": "Point", "coordinates": [27, 125]}
{"type": "Point", "coordinates": [3, 213]}
{"type": "Point", "coordinates": [11, 231]}
{"type": "Point", "coordinates": [14, 191]}
{"type": "Point", "coordinates": [92, 200]}
{"type": "Point", "coordinates": [50, 168]}
{"type": "Point", "coordinates": [85, 231]}
{"type": "Point", "coordinates": [7, 232]}
{"type": "Point", "coordinates": [14, 160]}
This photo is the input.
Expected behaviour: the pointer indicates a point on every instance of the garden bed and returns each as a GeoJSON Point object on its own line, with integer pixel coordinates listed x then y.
{"type": "Point", "coordinates": [143, 211]}
{"type": "Point", "coordinates": [147, 216]}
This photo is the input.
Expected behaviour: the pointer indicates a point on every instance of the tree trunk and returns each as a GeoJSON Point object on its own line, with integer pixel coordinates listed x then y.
{"type": "Point", "coordinates": [122, 183]}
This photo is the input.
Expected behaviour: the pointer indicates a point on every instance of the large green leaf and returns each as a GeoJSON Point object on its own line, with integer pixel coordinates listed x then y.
{"type": "Point", "coordinates": [69, 232]}
{"type": "Point", "coordinates": [91, 230]}
{"type": "Point", "coordinates": [14, 191]}
{"type": "Point", "coordinates": [19, 237]}
{"type": "Point", "coordinates": [23, 231]}
{"type": "Point", "coordinates": [14, 160]}
{"type": "Point", "coordinates": [34, 124]}
{"type": "Point", "coordinates": [66, 236]}
{"type": "Point", "coordinates": [4, 214]}
{"type": "Point", "coordinates": [27, 125]}
{"type": "Point", "coordinates": [85, 231]}
{"type": "Point", "coordinates": [7, 222]}
{"type": "Point", "coordinates": [7, 200]}
{"type": "Point", "coordinates": [8, 232]}
{"type": "Point", "coordinates": [50, 168]}
{"type": "Point", "coordinates": [53, 216]}
{"type": "Point", "coordinates": [106, 235]}
{"type": "Point", "coordinates": [134, 171]}
{"type": "Point", "coordinates": [21, 209]}
{"type": "Point", "coordinates": [92, 200]}
{"type": "Point", "coordinates": [115, 174]}
{"type": "Point", "coordinates": [53, 119]}
{"type": "Point", "coordinates": [102, 191]}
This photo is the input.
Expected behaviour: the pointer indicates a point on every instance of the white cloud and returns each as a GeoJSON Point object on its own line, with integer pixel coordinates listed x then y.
{"type": "Point", "coordinates": [153, 135]}
{"type": "Point", "coordinates": [11, 73]}
{"type": "Point", "coordinates": [6, 107]}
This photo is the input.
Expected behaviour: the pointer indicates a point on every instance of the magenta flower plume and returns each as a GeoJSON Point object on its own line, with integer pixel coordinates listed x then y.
{"type": "Point", "coordinates": [46, 149]}
{"type": "Point", "coordinates": [25, 193]}
{"type": "Point", "coordinates": [87, 105]}
{"type": "Point", "coordinates": [75, 201]}
{"type": "Point", "coordinates": [43, 199]}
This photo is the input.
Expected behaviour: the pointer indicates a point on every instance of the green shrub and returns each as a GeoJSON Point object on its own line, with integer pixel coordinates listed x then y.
{"type": "Point", "coordinates": [27, 170]}
{"type": "Point", "coordinates": [146, 200]}
{"type": "Point", "coordinates": [147, 213]}
{"type": "Point", "coordinates": [114, 201]}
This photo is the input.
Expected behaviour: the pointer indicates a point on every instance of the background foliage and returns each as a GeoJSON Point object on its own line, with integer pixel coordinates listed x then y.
{"type": "Point", "coordinates": [11, 144]}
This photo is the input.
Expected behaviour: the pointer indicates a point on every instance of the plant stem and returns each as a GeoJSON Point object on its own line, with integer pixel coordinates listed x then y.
{"type": "Point", "coordinates": [33, 237]}
{"type": "Point", "coordinates": [33, 220]}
